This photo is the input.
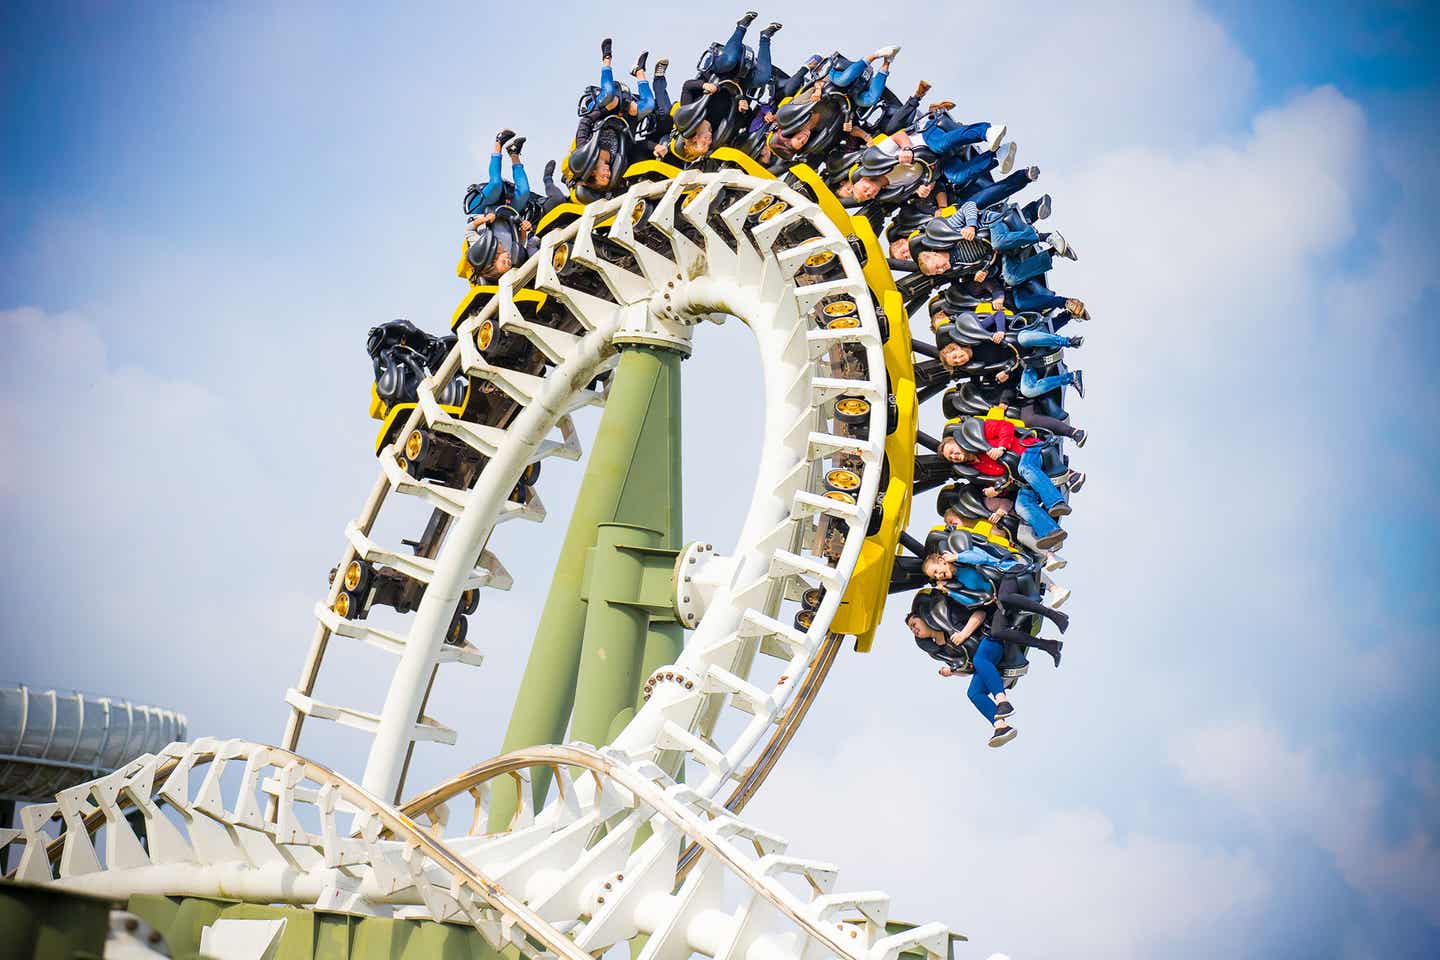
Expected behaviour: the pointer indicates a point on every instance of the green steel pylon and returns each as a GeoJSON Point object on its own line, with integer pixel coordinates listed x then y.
{"type": "Point", "coordinates": [608, 621]}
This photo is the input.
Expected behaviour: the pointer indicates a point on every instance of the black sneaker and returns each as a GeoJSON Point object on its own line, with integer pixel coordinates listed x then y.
{"type": "Point", "coordinates": [640, 63]}
{"type": "Point", "coordinates": [748, 19]}
{"type": "Point", "coordinates": [1079, 437]}
{"type": "Point", "coordinates": [514, 148]}
{"type": "Point", "coordinates": [1002, 735]}
{"type": "Point", "coordinates": [1077, 342]}
{"type": "Point", "coordinates": [503, 137]}
{"type": "Point", "coordinates": [550, 175]}
{"type": "Point", "coordinates": [1077, 480]}
{"type": "Point", "coordinates": [1079, 383]}
{"type": "Point", "coordinates": [1004, 709]}
{"type": "Point", "coordinates": [771, 30]}
{"type": "Point", "coordinates": [1061, 509]}
{"type": "Point", "coordinates": [605, 48]}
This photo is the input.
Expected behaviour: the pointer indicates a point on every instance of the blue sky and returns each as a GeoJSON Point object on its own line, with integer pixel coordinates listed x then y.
{"type": "Point", "coordinates": [206, 207]}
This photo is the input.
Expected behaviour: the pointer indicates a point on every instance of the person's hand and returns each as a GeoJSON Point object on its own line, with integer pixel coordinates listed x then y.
{"type": "Point", "coordinates": [997, 516]}
{"type": "Point", "coordinates": [956, 639]}
{"type": "Point", "coordinates": [660, 150]}
{"type": "Point", "coordinates": [924, 190]}
{"type": "Point", "coordinates": [980, 276]}
{"type": "Point", "coordinates": [967, 233]}
{"type": "Point", "coordinates": [847, 126]}
{"type": "Point", "coordinates": [991, 491]}
{"type": "Point", "coordinates": [907, 156]}
{"type": "Point", "coordinates": [770, 116]}
{"type": "Point", "coordinates": [945, 671]}
{"type": "Point", "coordinates": [709, 87]}
{"type": "Point", "coordinates": [1002, 376]}
{"type": "Point", "coordinates": [950, 557]}
{"type": "Point", "coordinates": [998, 336]}
{"type": "Point", "coordinates": [995, 453]}
{"type": "Point", "coordinates": [816, 94]}
{"type": "Point", "coordinates": [525, 226]}
{"type": "Point", "coordinates": [744, 106]}
{"type": "Point", "coordinates": [999, 302]}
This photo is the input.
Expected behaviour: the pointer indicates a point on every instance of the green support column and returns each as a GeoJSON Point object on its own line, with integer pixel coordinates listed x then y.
{"type": "Point", "coordinates": [633, 478]}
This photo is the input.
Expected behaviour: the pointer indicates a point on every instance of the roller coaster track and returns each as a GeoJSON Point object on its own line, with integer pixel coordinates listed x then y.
{"type": "Point", "coordinates": [624, 849]}
{"type": "Point", "coordinates": [648, 296]}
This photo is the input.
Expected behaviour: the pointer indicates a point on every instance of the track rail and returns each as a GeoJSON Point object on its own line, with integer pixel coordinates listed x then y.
{"type": "Point", "coordinates": [569, 882]}
{"type": "Point", "coordinates": [646, 267]}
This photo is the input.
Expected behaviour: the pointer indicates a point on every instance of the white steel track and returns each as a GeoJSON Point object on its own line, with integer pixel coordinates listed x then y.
{"type": "Point", "coordinates": [623, 849]}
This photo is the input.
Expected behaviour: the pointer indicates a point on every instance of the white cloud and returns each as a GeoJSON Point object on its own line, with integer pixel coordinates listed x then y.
{"type": "Point", "coordinates": [954, 837]}
{"type": "Point", "coordinates": [1341, 808]}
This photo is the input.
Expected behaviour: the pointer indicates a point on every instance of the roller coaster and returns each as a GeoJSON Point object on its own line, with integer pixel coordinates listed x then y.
{"type": "Point", "coordinates": [566, 849]}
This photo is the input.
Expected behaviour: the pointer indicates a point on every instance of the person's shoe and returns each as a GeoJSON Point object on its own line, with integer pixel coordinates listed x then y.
{"type": "Point", "coordinates": [640, 63]}
{"type": "Point", "coordinates": [1077, 309]}
{"type": "Point", "coordinates": [1053, 561]}
{"type": "Point", "coordinates": [1006, 157]}
{"type": "Point", "coordinates": [605, 46]}
{"type": "Point", "coordinates": [549, 170]}
{"type": "Point", "coordinates": [504, 136]}
{"type": "Point", "coordinates": [1056, 655]}
{"type": "Point", "coordinates": [1051, 540]}
{"type": "Point", "coordinates": [1079, 383]}
{"type": "Point", "coordinates": [1057, 242]}
{"type": "Point", "coordinates": [748, 19]}
{"type": "Point", "coordinates": [1077, 480]}
{"type": "Point", "coordinates": [1003, 734]}
{"type": "Point", "coordinates": [1056, 596]}
{"type": "Point", "coordinates": [514, 148]}
{"type": "Point", "coordinates": [660, 66]}
{"type": "Point", "coordinates": [886, 53]}
{"type": "Point", "coordinates": [940, 106]}
{"type": "Point", "coordinates": [1032, 173]}
{"type": "Point", "coordinates": [1076, 342]}
{"type": "Point", "coordinates": [1079, 437]}
{"type": "Point", "coordinates": [922, 88]}
{"type": "Point", "coordinates": [1043, 206]}
{"type": "Point", "coordinates": [771, 30]}
{"type": "Point", "coordinates": [1061, 509]}
{"type": "Point", "coordinates": [1004, 709]}
{"type": "Point", "coordinates": [994, 134]}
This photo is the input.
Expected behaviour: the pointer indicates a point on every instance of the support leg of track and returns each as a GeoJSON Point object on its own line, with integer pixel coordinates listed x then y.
{"type": "Point", "coordinates": [633, 477]}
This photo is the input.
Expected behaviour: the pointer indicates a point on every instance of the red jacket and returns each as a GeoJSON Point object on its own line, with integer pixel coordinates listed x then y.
{"type": "Point", "coordinates": [1001, 433]}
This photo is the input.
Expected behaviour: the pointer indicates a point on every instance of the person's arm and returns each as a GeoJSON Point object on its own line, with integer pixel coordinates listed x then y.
{"type": "Point", "coordinates": [971, 625]}
{"type": "Point", "coordinates": [967, 218]}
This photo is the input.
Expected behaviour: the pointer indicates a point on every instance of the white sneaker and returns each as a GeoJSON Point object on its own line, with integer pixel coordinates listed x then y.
{"type": "Point", "coordinates": [1057, 595]}
{"type": "Point", "coordinates": [1006, 156]}
{"type": "Point", "coordinates": [1057, 243]}
{"type": "Point", "coordinates": [993, 135]}
{"type": "Point", "coordinates": [1056, 562]}
{"type": "Point", "coordinates": [886, 53]}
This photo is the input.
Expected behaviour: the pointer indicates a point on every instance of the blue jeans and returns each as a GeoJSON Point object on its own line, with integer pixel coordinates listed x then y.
{"type": "Point", "coordinates": [945, 141]}
{"type": "Point", "coordinates": [1027, 504]}
{"type": "Point", "coordinates": [960, 172]}
{"type": "Point", "coordinates": [1006, 235]}
{"type": "Point", "coordinates": [607, 87]}
{"type": "Point", "coordinates": [1016, 270]}
{"type": "Point", "coordinates": [1042, 339]}
{"type": "Point", "coordinates": [1032, 471]}
{"type": "Point", "coordinates": [845, 77]}
{"type": "Point", "coordinates": [1033, 385]}
{"type": "Point", "coordinates": [991, 193]}
{"type": "Point", "coordinates": [986, 681]}
{"type": "Point", "coordinates": [644, 99]}
{"type": "Point", "coordinates": [1033, 296]}
{"type": "Point", "coordinates": [492, 194]}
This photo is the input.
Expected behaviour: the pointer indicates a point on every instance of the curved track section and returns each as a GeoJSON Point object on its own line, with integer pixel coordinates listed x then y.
{"type": "Point", "coordinates": [593, 869]}
{"type": "Point", "coordinates": [624, 849]}
{"type": "Point", "coordinates": [644, 268]}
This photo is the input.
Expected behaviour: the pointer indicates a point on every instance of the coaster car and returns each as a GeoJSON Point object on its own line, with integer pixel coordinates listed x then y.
{"type": "Point", "coordinates": [612, 146]}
